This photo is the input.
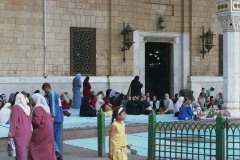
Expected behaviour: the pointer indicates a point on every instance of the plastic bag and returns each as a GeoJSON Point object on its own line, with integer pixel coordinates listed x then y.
{"type": "Point", "coordinates": [11, 148]}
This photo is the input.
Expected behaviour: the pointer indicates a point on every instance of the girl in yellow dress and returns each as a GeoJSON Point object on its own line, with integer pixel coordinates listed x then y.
{"type": "Point", "coordinates": [117, 137]}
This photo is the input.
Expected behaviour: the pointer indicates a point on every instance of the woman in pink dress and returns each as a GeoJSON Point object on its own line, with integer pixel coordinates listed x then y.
{"type": "Point", "coordinates": [41, 145]}
{"type": "Point", "coordinates": [20, 126]}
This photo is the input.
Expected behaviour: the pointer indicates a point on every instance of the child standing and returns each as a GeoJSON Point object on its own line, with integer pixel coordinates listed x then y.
{"type": "Point", "coordinates": [117, 137]}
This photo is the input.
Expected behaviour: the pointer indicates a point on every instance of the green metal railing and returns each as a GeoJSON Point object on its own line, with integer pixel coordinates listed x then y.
{"type": "Point", "coordinates": [190, 140]}
{"type": "Point", "coordinates": [185, 141]}
{"type": "Point", "coordinates": [232, 141]}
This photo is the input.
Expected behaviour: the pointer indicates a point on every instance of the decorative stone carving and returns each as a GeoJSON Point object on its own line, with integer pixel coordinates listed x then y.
{"type": "Point", "coordinates": [236, 5]}
{"type": "Point", "coordinates": [160, 39]}
{"type": "Point", "coordinates": [230, 22]}
{"type": "Point", "coordinates": [222, 6]}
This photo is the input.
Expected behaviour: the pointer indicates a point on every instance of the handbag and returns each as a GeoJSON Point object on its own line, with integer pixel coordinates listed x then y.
{"type": "Point", "coordinates": [11, 148]}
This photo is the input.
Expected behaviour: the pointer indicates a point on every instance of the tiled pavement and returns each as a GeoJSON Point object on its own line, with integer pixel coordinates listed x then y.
{"type": "Point", "coordinates": [74, 153]}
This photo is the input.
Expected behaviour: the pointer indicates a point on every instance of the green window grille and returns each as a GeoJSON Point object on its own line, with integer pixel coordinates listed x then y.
{"type": "Point", "coordinates": [83, 51]}
{"type": "Point", "coordinates": [220, 55]}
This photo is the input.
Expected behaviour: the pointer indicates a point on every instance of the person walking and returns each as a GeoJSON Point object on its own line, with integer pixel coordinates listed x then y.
{"type": "Point", "coordinates": [20, 126]}
{"type": "Point", "coordinates": [41, 145]}
{"type": "Point", "coordinates": [117, 137]}
{"type": "Point", "coordinates": [57, 116]}
{"type": "Point", "coordinates": [77, 98]}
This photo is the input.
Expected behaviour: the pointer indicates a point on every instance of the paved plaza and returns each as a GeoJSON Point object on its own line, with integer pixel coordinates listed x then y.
{"type": "Point", "coordinates": [86, 148]}
{"type": "Point", "coordinates": [74, 153]}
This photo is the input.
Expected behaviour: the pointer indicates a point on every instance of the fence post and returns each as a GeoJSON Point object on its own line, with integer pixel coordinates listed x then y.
{"type": "Point", "coordinates": [220, 137]}
{"type": "Point", "coordinates": [151, 135]}
{"type": "Point", "coordinates": [101, 133]}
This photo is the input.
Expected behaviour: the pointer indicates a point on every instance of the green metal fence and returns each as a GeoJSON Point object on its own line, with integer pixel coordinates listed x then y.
{"type": "Point", "coordinates": [232, 141]}
{"type": "Point", "coordinates": [185, 141]}
{"type": "Point", "coordinates": [193, 141]}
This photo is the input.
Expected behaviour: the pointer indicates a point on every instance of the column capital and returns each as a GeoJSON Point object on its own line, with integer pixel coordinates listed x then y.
{"type": "Point", "coordinates": [228, 12]}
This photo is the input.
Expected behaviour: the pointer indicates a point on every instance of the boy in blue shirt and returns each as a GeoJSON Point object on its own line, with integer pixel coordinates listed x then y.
{"type": "Point", "coordinates": [54, 103]}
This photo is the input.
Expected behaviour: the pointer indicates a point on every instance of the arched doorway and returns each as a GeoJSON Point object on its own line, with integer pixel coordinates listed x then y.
{"type": "Point", "coordinates": [157, 68]}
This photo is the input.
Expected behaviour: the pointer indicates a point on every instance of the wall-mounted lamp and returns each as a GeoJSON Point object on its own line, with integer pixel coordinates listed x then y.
{"type": "Point", "coordinates": [127, 39]}
{"type": "Point", "coordinates": [161, 22]}
{"type": "Point", "coordinates": [208, 37]}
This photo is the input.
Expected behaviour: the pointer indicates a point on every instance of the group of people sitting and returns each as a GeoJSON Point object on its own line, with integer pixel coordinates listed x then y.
{"type": "Point", "coordinates": [6, 105]}
{"type": "Point", "coordinates": [100, 101]}
{"type": "Point", "coordinates": [186, 107]}
{"type": "Point", "coordinates": [143, 104]}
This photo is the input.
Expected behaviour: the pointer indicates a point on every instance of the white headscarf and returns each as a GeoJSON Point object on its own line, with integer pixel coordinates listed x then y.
{"type": "Point", "coordinates": [40, 102]}
{"type": "Point", "coordinates": [180, 100]}
{"type": "Point", "coordinates": [112, 94]}
{"type": "Point", "coordinates": [66, 98]}
{"type": "Point", "coordinates": [166, 100]}
{"type": "Point", "coordinates": [5, 113]}
{"type": "Point", "coordinates": [21, 101]}
{"type": "Point", "coordinates": [100, 96]}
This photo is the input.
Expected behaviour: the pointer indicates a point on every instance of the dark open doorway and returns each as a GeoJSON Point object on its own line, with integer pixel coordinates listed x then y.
{"type": "Point", "coordinates": [157, 68]}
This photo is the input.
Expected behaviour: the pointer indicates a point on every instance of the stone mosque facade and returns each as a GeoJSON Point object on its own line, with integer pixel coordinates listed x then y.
{"type": "Point", "coordinates": [52, 40]}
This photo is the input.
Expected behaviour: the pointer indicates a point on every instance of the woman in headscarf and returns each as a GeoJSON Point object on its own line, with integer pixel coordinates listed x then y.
{"type": "Point", "coordinates": [4, 98]}
{"type": "Point", "coordinates": [86, 109]}
{"type": "Point", "coordinates": [77, 98]}
{"type": "Point", "coordinates": [135, 87]}
{"type": "Point", "coordinates": [94, 101]}
{"type": "Point", "coordinates": [2, 103]}
{"type": "Point", "coordinates": [99, 102]}
{"type": "Point", "coordinates": [5, 113]}
{"type": "Point", "coordinates": [178, 105]}
{"type": "Point", "coordinates": [41, 145]}
{"type": "Point", "coordinates": [86, 88]}
{"type": "Point", "coordinates": [185, 111]}
{"type": "Point", "coordinates": [132, 107]}
{"type": "Point", "coordinates": [155, 104]}
{"type": "Point", "coordinates": [20, 126]}
{"type": "Point", "coordinates": [66, 104]}
{"type": "Point", "coordinates": [168, 105]}
{"type": "Point", "coordinates": [112, 96]}
{"type": "Point", "coordinates": [14, 99]}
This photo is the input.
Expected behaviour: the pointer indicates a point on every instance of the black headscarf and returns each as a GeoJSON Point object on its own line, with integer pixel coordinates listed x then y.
{"type": "Point", "coordinates": [1, 100]}
{"type": "Point", "coordinates": [136, 78]}
{"type": "Point", "coordinates": [85, 82]}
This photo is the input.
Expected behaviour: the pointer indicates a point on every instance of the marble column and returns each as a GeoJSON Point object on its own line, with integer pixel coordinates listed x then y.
{"type": "Point", "coordinates": [229, 15]}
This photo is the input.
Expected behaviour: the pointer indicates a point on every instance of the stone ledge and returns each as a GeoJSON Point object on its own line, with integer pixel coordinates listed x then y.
{"type": "Point", "coordinates": [204, 79]}
{"type": "Point", "coordinates": [64, 79]}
